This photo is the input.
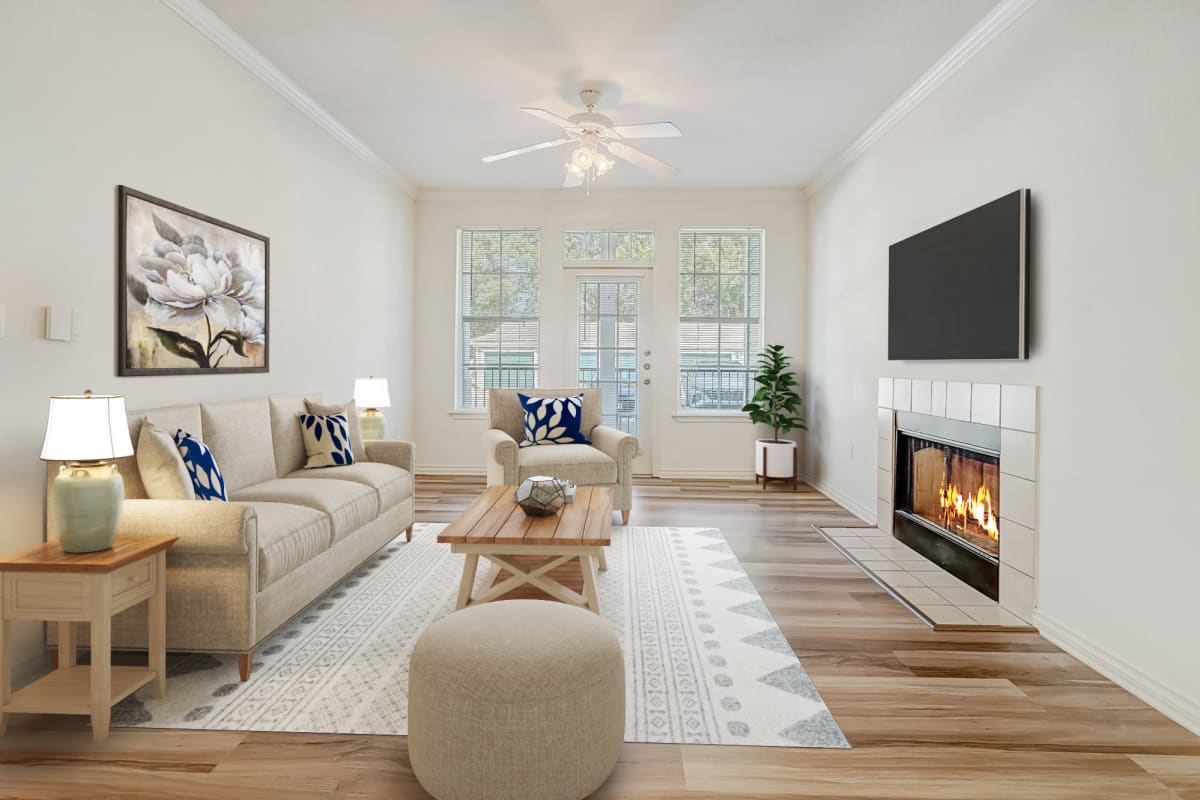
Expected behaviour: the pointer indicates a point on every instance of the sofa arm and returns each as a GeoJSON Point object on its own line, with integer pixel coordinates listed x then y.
{"type": "Point", "coordinates": [617, 445]}
{"type": "Point", "coordinates": [394, 452]}
{"type": "Point", "coordinates": [203, 528]}
{"type": "Point", "coordinates": [500, 452]}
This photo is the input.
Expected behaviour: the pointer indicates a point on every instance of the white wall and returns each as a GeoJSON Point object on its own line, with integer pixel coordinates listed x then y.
{"type": "Point", "coordinates": [1093, 106]}
{"type": "Point", "coordinates": [100, 94]}
{"type": "Point", "coordinates": [450, 443]}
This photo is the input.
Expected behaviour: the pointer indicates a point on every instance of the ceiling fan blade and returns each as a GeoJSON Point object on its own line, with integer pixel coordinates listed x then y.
{"type": "Point", "coordinates": [572, 180]}
{"type": "Point", "coordinates": [648, 130]}
{"type": "Point", "coordinates": [641, 160]}
{"type": "Point", "coordinates": [553, 119]}
{"type": "Point", "coordinates": [522, 150]}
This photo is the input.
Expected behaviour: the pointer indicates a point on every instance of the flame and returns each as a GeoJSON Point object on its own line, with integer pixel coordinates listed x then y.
{"type": "Point", "coordinates": [957, 507]}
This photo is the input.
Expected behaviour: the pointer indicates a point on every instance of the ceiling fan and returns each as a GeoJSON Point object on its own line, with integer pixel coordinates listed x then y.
{"type": "Point", "coordinates": [597, 137]}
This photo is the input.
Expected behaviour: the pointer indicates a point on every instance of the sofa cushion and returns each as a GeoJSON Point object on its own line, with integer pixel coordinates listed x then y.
{"type": "Point", "coordinates": [240, 437]}
{"type": "Point", "coordinates": [351, 411]}
{"type": "Point", "coordinates": [348, 505]}
{"type": "Point", "coordinates": [326, 440]}
{"type": "Point", "coordinates": [286, 439]}
{"type": "Point", "coordinates": [161, 466]}
{"type": "Point", "coordinates": [579, 463]}
{"type": "Point", "coordinates": [392, 484]}
{"type": "Point", "coordinates": [288, 536]}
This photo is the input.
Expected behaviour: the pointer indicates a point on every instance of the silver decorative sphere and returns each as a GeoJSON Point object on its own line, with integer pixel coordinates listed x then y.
{"type": "Point", "coordinates": [541, 495]}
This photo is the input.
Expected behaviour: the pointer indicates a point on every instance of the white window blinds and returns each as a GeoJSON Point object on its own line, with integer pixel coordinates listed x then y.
{"type": "Point", "coordinates": [720, 317]}
{"type": "Point", "coordinates": [499, 331]}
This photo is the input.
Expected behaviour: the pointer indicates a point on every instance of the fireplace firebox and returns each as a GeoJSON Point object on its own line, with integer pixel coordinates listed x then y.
{"type": "Point", "coordinates": [947, 496]}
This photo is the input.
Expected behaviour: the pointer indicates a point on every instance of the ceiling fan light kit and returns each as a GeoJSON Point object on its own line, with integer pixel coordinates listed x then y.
{"type": "Point", "coordinates": [596, 138]}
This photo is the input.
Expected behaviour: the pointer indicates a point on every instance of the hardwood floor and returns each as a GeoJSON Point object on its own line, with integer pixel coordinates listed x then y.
{"type": "Point", "coordinates": [931, 716]}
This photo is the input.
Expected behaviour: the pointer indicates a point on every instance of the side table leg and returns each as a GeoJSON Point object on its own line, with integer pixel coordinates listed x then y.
{"type": "Point", "coordinates": [66, 645]}
{"type": "Point", "coordinates": [468, 580]}
{"type": "Point", "coordinates": [158, 627]}
{"type": "Point", "coordinates": [5, 668]}
{"type": "Point", "coordinates": [101, 648]}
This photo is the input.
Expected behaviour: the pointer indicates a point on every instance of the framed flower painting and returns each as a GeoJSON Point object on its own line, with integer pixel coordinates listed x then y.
{"type": "Point", "coordinates": [193, 291]}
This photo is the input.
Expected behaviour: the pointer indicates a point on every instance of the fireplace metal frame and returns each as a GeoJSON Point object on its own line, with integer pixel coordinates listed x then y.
{"type": "Point", "coordinates": [956, 555]}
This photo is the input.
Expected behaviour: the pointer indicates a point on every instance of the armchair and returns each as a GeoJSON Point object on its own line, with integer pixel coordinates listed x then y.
{"type": "Point", "coordinates": [607, 461]}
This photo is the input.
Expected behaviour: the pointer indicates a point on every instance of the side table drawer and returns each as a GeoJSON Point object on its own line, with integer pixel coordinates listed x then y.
{"type": "Point", "coordinates": [132, 584]}
{"type": "Point", "coordinates": [41, 596]}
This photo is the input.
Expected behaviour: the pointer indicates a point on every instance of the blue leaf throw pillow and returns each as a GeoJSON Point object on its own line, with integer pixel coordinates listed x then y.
{"type": "Point", "coordinates": [201, 466]}
{"type": "Point", "coordinates": [326, 440]}
{"type": "Point", "coordinates": [552, 420]}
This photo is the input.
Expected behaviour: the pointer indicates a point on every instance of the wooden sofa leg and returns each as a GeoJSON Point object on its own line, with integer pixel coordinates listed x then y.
{"type": "Point", "coordinates": [625, 517]}
{"type": "Point", "coordinates": [408, 534]}
{"type": "Point", "coordinates": [245, 662]}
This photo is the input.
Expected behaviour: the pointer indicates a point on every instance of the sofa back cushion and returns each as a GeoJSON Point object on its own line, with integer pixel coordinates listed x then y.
{"type": "Point", "coordinates": [285, 434]}
{"type": "Point", "coordinates": [239, 435]}
{"type": "Point", "coordinates": [506, 413]}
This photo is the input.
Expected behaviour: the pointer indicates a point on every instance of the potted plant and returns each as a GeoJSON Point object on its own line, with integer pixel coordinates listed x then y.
{"type": "Point", "coordinates": [775, 403]}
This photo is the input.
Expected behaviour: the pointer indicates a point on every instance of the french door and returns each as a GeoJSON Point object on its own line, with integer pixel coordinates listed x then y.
{"type": "Point", "coordinates": [613, 353]}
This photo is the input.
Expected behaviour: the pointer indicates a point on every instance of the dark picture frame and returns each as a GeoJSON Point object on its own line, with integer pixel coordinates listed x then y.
{"type": "Point", "coordinates": [193, 291]}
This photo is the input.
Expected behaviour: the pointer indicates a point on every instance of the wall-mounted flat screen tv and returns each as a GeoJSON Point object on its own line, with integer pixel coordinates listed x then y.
{"type": "Point", "coordinates": [960, 290]}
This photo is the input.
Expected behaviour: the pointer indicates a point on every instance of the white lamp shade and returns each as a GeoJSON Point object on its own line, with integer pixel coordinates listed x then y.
{"type": "Point", "coordinates": [371, 393]}
{"type": "Point", "coordinates": [86, 428]}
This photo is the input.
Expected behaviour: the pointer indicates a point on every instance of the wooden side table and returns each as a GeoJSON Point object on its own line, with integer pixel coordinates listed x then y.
{"type": "Point", "coordinates": [44, 583]}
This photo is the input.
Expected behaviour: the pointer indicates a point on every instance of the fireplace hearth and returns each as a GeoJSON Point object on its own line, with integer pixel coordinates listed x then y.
{"type": "Point", "coordinates": [947, 496]}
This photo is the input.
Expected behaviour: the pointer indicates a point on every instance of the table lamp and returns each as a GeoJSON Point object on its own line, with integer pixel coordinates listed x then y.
{"type": "Point", "coordinates": [86, 430]}
{"type": "Point", "coordinates": [371, 394]}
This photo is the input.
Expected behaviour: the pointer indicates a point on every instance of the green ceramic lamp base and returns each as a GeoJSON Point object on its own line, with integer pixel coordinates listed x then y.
{"type": "Point", "coordinates": [87, 506]}
{"type": "Point", "coordinates": [372, 423]}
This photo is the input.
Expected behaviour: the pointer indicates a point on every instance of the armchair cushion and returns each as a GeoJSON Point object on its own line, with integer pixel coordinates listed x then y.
{"type": "Point", "coordinates": [552, 420]}
{"type": "Point", "coordinates": [579, 463]}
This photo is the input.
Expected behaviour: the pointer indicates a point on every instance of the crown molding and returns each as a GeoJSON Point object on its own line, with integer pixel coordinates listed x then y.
{"type": "Point", "coordinates": [202, 18]}
{"type": "Point", "coordinates": [987, 29]}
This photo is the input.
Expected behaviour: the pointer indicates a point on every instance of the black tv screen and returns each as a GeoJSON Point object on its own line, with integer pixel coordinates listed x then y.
{"type": "Point", "coordinates": [959, 290]}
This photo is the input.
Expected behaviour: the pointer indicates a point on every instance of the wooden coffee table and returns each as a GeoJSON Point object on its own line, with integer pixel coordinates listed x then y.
{"type": "Point", "coordinates": [496, 528]}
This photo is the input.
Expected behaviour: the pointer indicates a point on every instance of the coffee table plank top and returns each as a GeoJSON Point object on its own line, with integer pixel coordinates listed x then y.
{"type": "Point", "coordinates": [495, 518]}
{"type": "Point", "coordinates": [50, 557]}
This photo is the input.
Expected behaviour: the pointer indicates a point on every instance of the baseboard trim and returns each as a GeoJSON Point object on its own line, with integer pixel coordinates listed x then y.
{"type": "Point", "coordinates": [1179, 707]}
{"type": "Point", "coordinates": [704, 473]}
{"type": "Point", "coordinates": [451, 469]}
{"type": "Point", "coordinates": [867, 515]}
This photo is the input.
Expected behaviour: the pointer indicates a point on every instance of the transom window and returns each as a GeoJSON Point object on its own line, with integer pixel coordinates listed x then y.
{"type": "Point", "coordinates": [499, 329]}
{"type": "Point", "coordinates": [617, 247]}
{"type": "Point", "coordinates": [720, 317]}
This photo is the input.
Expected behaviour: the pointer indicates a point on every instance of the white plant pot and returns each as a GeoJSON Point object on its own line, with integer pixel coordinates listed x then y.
{"type": "Point", "coordinates": [780, 458]}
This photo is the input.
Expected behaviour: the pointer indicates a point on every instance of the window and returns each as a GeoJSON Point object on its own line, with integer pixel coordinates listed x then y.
{"type": "Point", "coordinates": [617, 247]}
{"type": "Point", "coordinates": [720, 317]}
{"type": "Point", "coordinates": [498, 330]}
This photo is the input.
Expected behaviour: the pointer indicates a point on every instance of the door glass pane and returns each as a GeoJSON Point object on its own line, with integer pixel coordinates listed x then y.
{"type": "Point", "coordinates": [608, 348]}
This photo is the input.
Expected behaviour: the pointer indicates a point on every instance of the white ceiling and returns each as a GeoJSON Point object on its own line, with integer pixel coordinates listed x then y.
{"type": "Point", "coordinates": [766, 91]}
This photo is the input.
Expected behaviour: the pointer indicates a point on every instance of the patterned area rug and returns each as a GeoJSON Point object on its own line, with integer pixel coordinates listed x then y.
{"type": "Point", "coordinates": [705, 661]}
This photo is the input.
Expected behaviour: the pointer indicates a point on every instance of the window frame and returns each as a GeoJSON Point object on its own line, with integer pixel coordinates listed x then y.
{"type": "Point", "coordinates": [691, 414]}
{"type": "Point", "coordinates": [458, 409]}
{"type": "Point", "coordinates": [609, 259]}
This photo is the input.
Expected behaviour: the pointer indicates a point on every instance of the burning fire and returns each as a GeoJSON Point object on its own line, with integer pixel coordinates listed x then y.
{"type": "Point", "coordinates": [965, 508]}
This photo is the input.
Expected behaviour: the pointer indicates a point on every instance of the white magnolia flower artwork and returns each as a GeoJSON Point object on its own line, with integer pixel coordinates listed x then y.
{"type": "Point", "coordinates": [195, 291]}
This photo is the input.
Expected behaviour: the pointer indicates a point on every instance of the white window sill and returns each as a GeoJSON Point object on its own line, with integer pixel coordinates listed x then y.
{"type": "Point", "coordinates": [733, 416]}
{"type": "Point", "coordinates": [474, 414]}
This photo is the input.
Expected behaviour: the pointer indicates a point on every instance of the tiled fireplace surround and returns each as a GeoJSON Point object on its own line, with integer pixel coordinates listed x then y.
{"type": "Point", "coordinates": [1013, 409]}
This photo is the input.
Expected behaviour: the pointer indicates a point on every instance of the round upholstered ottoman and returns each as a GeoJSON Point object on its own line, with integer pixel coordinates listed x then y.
{"type": "Point", "coordinates": [517, 699]}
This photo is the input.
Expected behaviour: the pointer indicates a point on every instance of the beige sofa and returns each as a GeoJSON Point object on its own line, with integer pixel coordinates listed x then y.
{"type": "Point", "coordinates": [242, 569]}
{"type": "Point", "coordinates": [607, 461]}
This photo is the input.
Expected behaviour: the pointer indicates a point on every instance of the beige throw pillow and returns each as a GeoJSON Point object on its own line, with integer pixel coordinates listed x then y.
{"type": "Point", "coordinates": [161, 467]}
{"type": "Point", "coordinates": [357, 445]}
